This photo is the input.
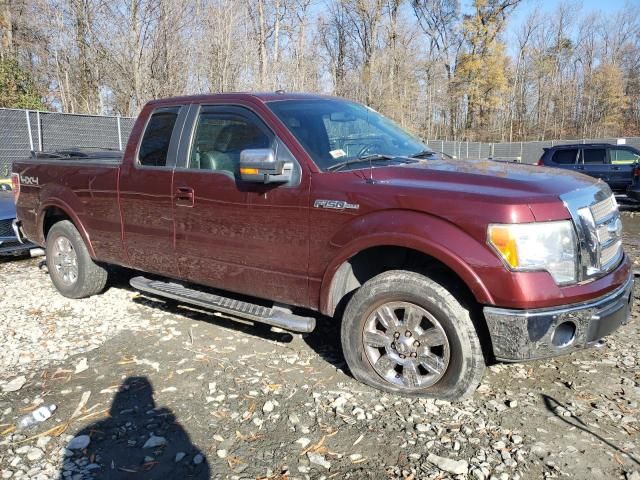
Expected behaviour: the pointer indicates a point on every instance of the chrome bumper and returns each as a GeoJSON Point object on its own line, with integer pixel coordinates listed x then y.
{"type": "Point", "coordinates": [18, 244]}
{"type": "Point", "coordinates": [519, 335]}
{"type": "Point", "coordinates": [16, 229]}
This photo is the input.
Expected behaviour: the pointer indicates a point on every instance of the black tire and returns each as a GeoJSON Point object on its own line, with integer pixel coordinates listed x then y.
{"type": "Point", "coordinates": [90, 278]}
{"type": "Point", "coordinates": [466, 361]}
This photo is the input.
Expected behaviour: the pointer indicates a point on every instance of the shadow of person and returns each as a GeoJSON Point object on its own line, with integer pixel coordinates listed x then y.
{"type": "Point", "coordinates": [574, 420]}
{"type": "Point", "coordinates": [138, 440]}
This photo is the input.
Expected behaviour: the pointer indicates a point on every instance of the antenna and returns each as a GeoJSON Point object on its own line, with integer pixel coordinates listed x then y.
{"type": "Point", "coordinates": [370, 171]}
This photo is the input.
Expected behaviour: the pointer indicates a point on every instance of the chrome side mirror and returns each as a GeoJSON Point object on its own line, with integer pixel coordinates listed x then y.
{"type": "Point", "coordinates": [259, 165]}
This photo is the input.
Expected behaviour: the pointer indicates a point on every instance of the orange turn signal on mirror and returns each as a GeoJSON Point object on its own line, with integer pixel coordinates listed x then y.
{"type": "Point", "coordinates": [249, 171]}
{"type": "Point", "coordinates": [503, 240]}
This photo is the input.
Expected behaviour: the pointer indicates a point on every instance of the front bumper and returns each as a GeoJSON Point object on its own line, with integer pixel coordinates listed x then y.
{"type": "Point", "coordinates": [519, 335]}
{"type": "Point", "coordinates": [17, 244]}
{"type": "Point", "coordinates": [634, 194]}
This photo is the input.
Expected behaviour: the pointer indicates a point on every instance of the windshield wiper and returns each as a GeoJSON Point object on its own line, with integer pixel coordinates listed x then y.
{"type": "Point", "coordinates": [364, 159]}
{"type": "Point", "coordinates": [423, 154]}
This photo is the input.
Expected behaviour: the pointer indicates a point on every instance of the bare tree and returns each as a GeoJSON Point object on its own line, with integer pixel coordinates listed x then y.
{"type": "Point", "coordinates": [441, 68]}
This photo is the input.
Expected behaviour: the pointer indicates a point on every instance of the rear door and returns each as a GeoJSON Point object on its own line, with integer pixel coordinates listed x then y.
{"type": "Point", "coordinates": [243, 237]}
{"type": "Point", "coordinates": [623, 161]}
{"type": "Point", "coordinates": [594, 162]}
{"type": "Point", "coordinates": [146, 194]}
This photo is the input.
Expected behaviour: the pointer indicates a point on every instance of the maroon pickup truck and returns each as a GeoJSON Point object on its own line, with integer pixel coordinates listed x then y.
{"type": "Point", "coordinates": [257, 205]}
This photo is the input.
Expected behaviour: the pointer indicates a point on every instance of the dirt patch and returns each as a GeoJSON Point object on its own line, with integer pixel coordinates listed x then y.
{"type": "Point", "coordinates": [214, 398]}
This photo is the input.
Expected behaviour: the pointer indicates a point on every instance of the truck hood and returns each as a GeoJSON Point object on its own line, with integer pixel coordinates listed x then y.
{"type": "Point", "coordinates": [475, 193]}
{"type": "Point", "coordinates": [487, 178]}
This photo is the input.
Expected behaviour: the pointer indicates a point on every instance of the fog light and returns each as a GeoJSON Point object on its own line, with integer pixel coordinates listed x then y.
{"type": "Point", "coordinates": [564, 334]}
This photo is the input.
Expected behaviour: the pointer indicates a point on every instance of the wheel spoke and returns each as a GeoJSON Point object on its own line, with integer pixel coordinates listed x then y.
{"type": "Point", "coordinates": [410, 374]}
{"type": "Point", "coordinates": [387, 317]}
{"type": "Point", "coordinates": [432, 337]}
{"type": "Point", "coordinates": [376, 339]}
{"type": "Point", "coordinates": [412, 317]}
{"type": "Point", "coordinates": [384, 364]}
{"type": "Point", "coordinates": [405, 344]}
{"type": "Point", "coordinates": [431, 362]}
{"type": "Point", "coordinates": [66, 260]}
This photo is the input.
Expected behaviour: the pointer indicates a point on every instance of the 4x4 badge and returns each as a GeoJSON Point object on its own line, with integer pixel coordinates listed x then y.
{"type": "Point", "coordinates": [25, 180]}
{"type": "Point", "coordinates": [335, 204]}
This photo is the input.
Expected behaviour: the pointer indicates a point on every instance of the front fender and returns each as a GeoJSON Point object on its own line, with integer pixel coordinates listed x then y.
{"type": "Point", "coordinates": [430, 235]}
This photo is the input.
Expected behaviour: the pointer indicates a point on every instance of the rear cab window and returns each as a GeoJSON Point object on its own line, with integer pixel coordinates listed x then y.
{"type": "Point", "coordinates": [154, 147]}
{"type": "Point", "coordinates": [565, 156]}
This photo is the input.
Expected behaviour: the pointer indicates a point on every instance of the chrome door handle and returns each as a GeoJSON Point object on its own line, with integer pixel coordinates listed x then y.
{"type": "Point", "coordinates": [184, 196]}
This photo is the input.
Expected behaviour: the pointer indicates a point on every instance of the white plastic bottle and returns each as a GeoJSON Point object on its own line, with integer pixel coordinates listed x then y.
{"type": "Point", "coordinates": [37, 416]}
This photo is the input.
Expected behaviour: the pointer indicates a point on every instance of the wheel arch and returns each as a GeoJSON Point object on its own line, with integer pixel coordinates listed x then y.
{"type": "Point", "coordinates": [366, 257]}
{"type": "Point", "coordinates": [56, 210]}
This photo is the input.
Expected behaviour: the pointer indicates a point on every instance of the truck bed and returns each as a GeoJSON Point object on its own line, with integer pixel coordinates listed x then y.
{"type": "Point", "coordinates": [82, 155]}
{"type": "Point", "coordinates": [84, 183]}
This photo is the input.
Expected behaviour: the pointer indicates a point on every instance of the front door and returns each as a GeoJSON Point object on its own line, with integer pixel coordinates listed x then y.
{"type": "Point", "coordinates": [243, 237]}
{"type": "Point", "coordinates": [623, 161]}
{"type": "Point", "coordinates": [146, 194]}
{"type": "Point", "coordinates": [594, 162]}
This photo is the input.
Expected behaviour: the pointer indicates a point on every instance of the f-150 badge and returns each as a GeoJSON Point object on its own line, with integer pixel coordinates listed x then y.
{"type": "Point", "coordinates": [335, 204]}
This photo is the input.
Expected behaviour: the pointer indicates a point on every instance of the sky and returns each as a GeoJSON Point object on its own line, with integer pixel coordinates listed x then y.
{"type": "Point", "coordinates": [545, 6]}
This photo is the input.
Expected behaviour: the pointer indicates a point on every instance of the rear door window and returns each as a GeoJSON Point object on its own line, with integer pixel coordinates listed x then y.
{"type": "Point", "coordinates": [565, 156]}
{"type": "Point", "coordinates": [594, 156]}
{"type": "Point", "coordinates": [157, 137]}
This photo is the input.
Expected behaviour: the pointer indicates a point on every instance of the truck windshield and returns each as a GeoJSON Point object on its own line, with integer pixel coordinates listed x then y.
{"type": "Point", "coordinates": [336, 132]}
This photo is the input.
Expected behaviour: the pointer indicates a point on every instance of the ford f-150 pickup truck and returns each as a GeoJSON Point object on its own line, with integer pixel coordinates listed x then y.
{"type": "Point", "coordinates": [267, 206]}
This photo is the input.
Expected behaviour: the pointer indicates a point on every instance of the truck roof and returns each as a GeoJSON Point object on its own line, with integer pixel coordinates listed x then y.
{"type": "Point", "coordinates": [263, 97]}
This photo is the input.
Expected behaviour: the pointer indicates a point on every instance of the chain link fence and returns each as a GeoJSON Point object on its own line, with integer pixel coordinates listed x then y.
{"type": "Point", "coordinates": [22, 131]}
{"type": "Point", "coordinates": [523, 152]}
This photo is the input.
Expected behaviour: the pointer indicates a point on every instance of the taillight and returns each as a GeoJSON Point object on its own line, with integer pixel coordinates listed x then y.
{"type": "Point", "coordinates": [15, 186]}
{"type": "Point", "coordinates": [636, 172]}
{"type": "Point", "coordinates": [541, 162]}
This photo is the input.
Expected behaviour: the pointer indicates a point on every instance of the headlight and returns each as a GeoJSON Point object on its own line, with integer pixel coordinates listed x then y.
{"type": "Point", "coordinates": [549, 246]}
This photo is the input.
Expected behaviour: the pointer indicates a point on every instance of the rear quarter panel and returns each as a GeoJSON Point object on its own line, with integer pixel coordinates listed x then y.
{"type": "Point", "coordinates": [86, 192]}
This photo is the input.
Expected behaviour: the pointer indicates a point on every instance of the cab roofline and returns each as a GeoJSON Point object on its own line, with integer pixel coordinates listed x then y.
{"type": "Point", "coordinates": [264, 97]}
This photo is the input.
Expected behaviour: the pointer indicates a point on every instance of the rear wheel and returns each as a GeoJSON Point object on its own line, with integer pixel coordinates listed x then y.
{"type": "Point", "coordinates": [403, 332]}
{"type": "Point", "coordinates": [71, 268]}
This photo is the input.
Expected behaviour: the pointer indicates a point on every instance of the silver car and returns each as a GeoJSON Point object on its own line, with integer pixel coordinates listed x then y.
{"type": "Point", "coordinates": [9, 243]}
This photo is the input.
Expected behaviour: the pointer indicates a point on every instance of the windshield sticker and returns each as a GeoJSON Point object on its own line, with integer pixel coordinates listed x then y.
{"type": "Point", "coordinates": [338, 153]}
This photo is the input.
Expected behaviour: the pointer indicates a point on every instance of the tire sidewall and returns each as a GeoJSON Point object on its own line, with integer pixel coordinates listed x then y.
{"type": "Point", "coordinates": [462, 371]}
{"type": "Point", "coordinates": [67, 230]}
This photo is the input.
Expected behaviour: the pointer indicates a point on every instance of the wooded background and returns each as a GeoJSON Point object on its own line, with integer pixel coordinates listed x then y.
{"type": "Point", "coordinates": [439, 70]}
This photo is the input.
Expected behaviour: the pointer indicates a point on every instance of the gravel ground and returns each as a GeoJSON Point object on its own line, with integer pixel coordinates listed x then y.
{"type": "Point", "coordinates": [146, 389]}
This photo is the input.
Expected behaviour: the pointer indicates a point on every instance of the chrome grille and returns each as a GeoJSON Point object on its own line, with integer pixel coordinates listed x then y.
{"type": "Point", "coordinates": [609, 254]}
{"type": "Point", "coordinates": [608, 232]}
{"type": "Point", "coordinates": [604, 209]}
{"type": "Point", "coordinates": [595, 215]}
{"type": "Point", "coordinates": [6, 230]}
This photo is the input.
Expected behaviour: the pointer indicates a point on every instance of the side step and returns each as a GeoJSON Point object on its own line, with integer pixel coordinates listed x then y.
{"type": "Point", "coordinates": [271, 316]}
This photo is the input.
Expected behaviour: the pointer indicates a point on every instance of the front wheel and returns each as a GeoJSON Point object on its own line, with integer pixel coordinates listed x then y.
{"type": "Point", "coordinates": [405, 333]}
{"type": "Point", "coordinates": [71, 268]}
